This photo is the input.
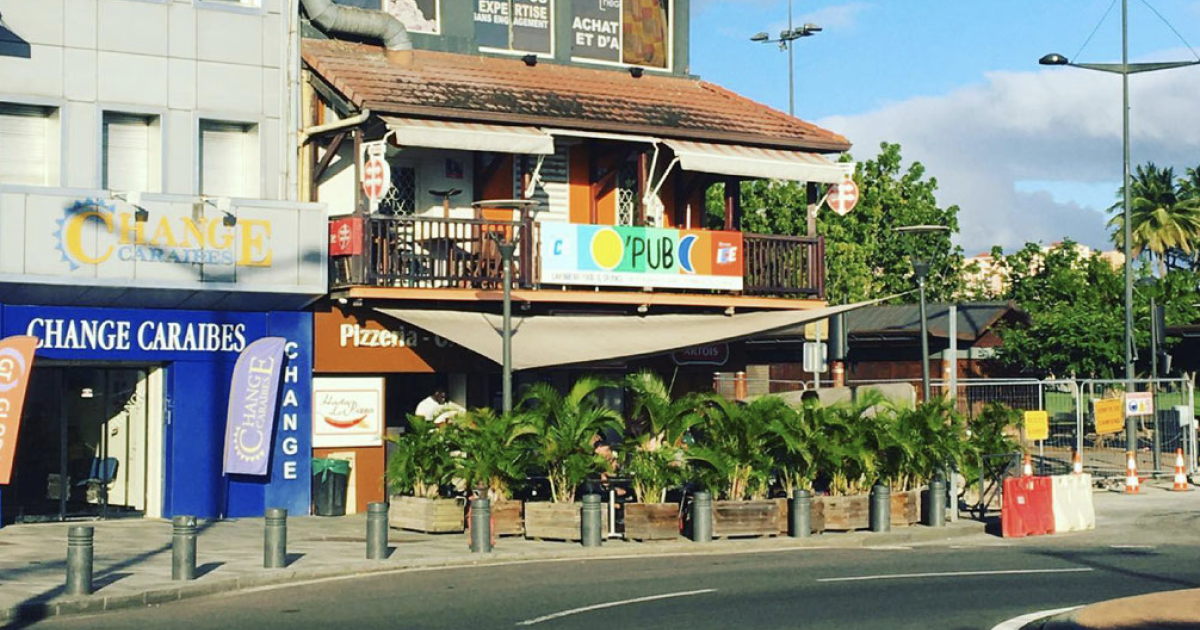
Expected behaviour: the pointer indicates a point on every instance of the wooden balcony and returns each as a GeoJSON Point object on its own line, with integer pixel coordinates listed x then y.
{"type": "Point", "coordinates": [419, 252]}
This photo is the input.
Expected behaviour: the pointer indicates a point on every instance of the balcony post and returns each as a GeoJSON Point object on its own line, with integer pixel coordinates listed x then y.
{"type": "Point", "coordinates": [813, 200]}
{"type": "Point", "coordinates": [733, 204]}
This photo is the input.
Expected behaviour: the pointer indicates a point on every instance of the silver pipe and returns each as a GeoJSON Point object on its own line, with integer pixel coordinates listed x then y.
{"type": "Point", "coordinates": [334, 18]}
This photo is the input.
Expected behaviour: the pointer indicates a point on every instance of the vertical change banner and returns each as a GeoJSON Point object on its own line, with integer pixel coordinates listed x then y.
{"type": "Point", "coordinates": [16, 362]}
{"type": "Point", "coordinates": [253, 400]}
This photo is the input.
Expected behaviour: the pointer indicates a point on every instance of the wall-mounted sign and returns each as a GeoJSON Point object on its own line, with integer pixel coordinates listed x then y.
{"type": "Point", "coordinates": [16, 362]}
{"type": "Point", "coordinates": [711, 354]}
{"type": "Point", "coordinates": [1110, 415]}
{"type": "Point", "coordinates": [531, 25]}
{"type": "Point", "coordinates": [632, 32]}
{"type": "Point", "coordinates": [418, 16]}
{"type": "Point", "coordinates": [347, 411]}
{"type": "Point", "coordinates": [361, 341]}
{"type": "Point", "coordinates": [346, 236]}
{"type": "Point", "coordinates": [1037, 425]}
{"type": "Point", "coordinates": [1139, 404]}
{"type": "Point", "coordinates": [600, 255]}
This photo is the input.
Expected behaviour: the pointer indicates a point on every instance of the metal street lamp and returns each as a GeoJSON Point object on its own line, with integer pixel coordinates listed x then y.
{"type": "Point", "coordinates": [920, 270]}
{"type": "Point", "coordinates": [506, 247]}
{"type": "Point", "coordinates": [785, 43]}
{"type": "Point", "coordinates": [1124, 69]}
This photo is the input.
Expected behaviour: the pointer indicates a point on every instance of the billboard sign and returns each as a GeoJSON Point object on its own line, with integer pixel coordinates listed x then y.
{"type": "Point", "coordinates": [347, 411]}
{"type": "Point", "coordinates": [621, 256]}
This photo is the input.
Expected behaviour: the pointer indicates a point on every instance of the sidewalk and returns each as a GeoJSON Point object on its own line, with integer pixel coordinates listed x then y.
{"type": "Point", "coordinates": [133, 558]}
{"type": "Point", "coordinates": [1171, 609]}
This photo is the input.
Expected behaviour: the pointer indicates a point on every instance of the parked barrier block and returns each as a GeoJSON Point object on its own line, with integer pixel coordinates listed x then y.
{"type": "Point", "coordinates": [1027, 508]}
{"type": "Point", "coordinates": [1072, 500]}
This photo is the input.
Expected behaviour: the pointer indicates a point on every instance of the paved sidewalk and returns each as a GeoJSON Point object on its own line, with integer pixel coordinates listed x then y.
{"type": "Point", "coordinates": [133, 558]}
{"type": "Point", "coordinates": [1162, 611]}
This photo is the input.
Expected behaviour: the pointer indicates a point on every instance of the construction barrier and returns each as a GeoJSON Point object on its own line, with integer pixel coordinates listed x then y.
{"type": "Point", "coordinates": [1072, 503]}
{"type": "Point", "coordinates": [1027, 509]}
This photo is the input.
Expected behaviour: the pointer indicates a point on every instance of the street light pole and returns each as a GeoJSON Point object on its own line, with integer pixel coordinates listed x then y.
{"type": "Point", "coordinates": [921, 269]}
{"type": "Point", "coordinates": [785, 41]}
{"type": "Point", "coordinates": [1124, 69]}
{"type": "Point", "coordinates": [507, 248]}
{"type": "Point", "coordinates": [791, 68]}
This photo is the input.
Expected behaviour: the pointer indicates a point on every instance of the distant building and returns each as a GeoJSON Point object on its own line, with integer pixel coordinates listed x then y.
{"type": "Point", "coordinates": [984, 275]}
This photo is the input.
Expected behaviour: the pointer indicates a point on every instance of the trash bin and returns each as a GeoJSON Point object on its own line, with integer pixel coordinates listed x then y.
{"type": "Point", "coordinates": [330, 477]}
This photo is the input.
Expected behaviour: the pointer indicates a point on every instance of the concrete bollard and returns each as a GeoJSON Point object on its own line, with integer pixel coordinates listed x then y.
{"type": "Point", "coordinates": [377, 531]}
{"type": "Point", "coordinates": [881, 508]}
{"type": "Point", "coordinates": [183, 548]}
{"type": "Point", "coordinates": [935, 514]}
{"type": "Point", "coordinates": [79, 560]}
{"type": "Point", "coordinates": [702, 517]}
{"type": "Point", "coordinates": [275, 539]}
{"type": "Point", "coordinates": [800, 514]}
{"type": "Point", "coordinates": [481, 525]}
{"type": "Point", "coordinates": [591, 524]}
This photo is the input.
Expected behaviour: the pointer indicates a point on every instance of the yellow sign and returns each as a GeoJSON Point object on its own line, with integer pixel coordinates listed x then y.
{"type": "Point", "coordinates": [1037, 425]}
{"type": "Point", "coordinates": [1110, 415]}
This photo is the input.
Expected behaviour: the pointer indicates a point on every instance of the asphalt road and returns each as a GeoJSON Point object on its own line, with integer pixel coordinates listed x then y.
{"type": "Point", "coordinates": [974, 584]}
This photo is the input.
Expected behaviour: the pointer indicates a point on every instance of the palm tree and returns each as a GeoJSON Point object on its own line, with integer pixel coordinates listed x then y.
{"type": "Point", "coordinates": [1161, 220]}
{"type": "Point", "coordinates": [566, 426]}
{"type": "Point", "coordinates": [656, 463]}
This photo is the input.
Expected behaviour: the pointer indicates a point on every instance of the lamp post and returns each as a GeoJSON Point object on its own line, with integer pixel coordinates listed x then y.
{"type": "Point", "coordinates": [506, 247]}
{"type": "Point", "coordinates": [1124, 69]}
{"type": "Point", "coordinates": [920, 270]}
{"type": "Point", "coordinates": [785, 43]}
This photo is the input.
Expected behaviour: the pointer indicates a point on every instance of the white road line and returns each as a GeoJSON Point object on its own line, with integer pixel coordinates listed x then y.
{"type": "Point", "coordinates": [1016, 623]}
{"type": "Point", "coordinates": [623, 602]}
{"type": "Point", "coordinates": [903, 576]}
{"type": "Point", "coordinates": [889, 548]}
{"type": "Point", "coordinates": [1131, 546]}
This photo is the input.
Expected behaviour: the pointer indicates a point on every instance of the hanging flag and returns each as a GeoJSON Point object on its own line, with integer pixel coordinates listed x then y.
{"type": "Point", "coordinates": [16, 362]}
{"type": "Point", "coordinates": [253, 400]}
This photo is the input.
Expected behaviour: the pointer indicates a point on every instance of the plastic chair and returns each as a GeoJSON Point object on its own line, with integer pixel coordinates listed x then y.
{"type": "Point", "coordinates": [103, 471]}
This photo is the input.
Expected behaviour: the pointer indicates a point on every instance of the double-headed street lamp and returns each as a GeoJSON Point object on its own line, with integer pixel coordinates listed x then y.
{"type": "Point", "coordinates": [1124, 69]}
{"type": "Point", "coordinates": [785, 43]}
{"type": "Point", "coordinates": [920, 270]}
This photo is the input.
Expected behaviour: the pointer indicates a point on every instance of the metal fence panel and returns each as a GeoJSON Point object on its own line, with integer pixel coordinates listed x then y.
{"type": "Point", "coordinates": [1158, 435]}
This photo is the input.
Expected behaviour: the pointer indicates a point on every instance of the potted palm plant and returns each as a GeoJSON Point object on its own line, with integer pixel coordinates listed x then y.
{"type": "Point", "coordinates": [848, 458]}
{"type": "Point", "coordinates": [932, 437]}
{"type": "Point", "coordinates": [566, 426]}
{"type": "Point", "coordinates": [733, 459]}
{"type": "Point", "coordinates": [417, 471]}
{"type": "Point", "coordinates": [656, 463]}
{"type": "Point", "coordinates": [797, 440]}
{"type": "Point", "coordinates": [495, 459]}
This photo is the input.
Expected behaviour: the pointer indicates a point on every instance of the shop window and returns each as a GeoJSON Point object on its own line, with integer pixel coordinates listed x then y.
{"type": "Point", "coordinates": [629, 32]}
{"type": "Point", "coordinates": [28, 144]}
{"type": "Point", "coordinates": [401, 198]}
{"type": "Point", "coordinates": [229, 159]}
{"type": "Point", "coordinates": [627, 194]}
{"type": "Point", "coordinates": [418, 16]}
{"type": "Point", "coordinates": [131, 157]}
{"type": "Point", "coordinates": [531, 29]}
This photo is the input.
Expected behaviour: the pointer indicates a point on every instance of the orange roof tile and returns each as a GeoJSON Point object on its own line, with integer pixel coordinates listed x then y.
{"type": "Point", "coordinates": [492, 89]}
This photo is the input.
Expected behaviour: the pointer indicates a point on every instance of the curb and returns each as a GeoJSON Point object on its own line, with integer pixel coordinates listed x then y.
{"type": "Point", "coordinates": [90, 604]}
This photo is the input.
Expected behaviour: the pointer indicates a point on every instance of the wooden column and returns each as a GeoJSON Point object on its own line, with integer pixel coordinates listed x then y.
{"type": "Point", "coordinates": [813, 199]}
{"type": "Point", "coordinates": [733, 204]}
{"type": "Point", "coordinates": [643, 168]}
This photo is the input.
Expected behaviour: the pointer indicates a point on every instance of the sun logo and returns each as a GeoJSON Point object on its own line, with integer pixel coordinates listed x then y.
{"type": "Point", "coordinates": [607, 249]}
{"type": "Point", "coordinates": [80, 211]}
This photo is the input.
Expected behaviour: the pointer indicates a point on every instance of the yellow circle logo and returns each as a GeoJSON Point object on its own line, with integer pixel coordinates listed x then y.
{"type": "Point", "coordinates": [607, 249]}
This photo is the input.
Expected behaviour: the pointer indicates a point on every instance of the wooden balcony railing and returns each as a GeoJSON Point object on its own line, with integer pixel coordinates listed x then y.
{"type": "Point", "coordinates": [434, 252]}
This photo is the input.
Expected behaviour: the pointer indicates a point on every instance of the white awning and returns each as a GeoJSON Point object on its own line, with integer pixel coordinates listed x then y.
{"type": "Point", "coordinates": [440, 134]}
{"type": "Point", "coordinates": [757, 162]}
{"type": "Point", "coordinates": [549, 340]}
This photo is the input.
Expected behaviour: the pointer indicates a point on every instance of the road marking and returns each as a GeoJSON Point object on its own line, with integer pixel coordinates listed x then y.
{"type": "Point", "coordinates": [623, 602]}
{"type": "Point", "coordinates": [890, 548]}
{"type": "Point", "coordinates": [1131, 546]}
{"type": "Point", "coordinates": [903, 576]}
{"type": "Point", "coordinates": [1016, 623]}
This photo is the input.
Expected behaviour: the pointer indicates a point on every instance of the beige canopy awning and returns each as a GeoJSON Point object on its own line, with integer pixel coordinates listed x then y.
{"type": "Point", "coordinates": [465, 136]}
{"type": "Point", "coordinates": [550, 340]}
{"type": "Point", "coordinates": [758, 162]}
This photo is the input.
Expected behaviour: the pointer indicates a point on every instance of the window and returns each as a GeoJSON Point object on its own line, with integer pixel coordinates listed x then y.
{"type": "Point", "coordinates": [28, 144]}
{"type": "Point", "coordinates": [401, 198]}
{"type": "Point", "coordinates": [629, 32]}
{"type": "Point", "coordinates": [131, 157]}
{"type": "Point", "coordinates": [531, 31]}
{"type": "Point", "coordinates": [229, 159]}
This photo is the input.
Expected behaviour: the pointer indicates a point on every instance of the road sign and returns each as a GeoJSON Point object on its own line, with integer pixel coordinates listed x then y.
{"type": "Point", "coordinates": [1037, 425]}
{"type": "Point", "coordinates": [842, 197]}
{"type": "Point", "coordinates": [1139, 404]}
{"type": "Point", "coordinates": [1110, 415]}
{"type": "Point", "coordinates": [376, 177]}
{"type": "Point", "coordinates": [814, 357]}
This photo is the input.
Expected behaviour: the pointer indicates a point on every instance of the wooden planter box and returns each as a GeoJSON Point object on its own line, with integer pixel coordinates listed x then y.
{"type": "Point", "coordinates": [433, 516]}
{"type": "Point", "coordinates": [906, 508]}
{"type": "Point", "coordinates": [816, 516]}
{"type": "Point", "coordinates": [651, 521]}
{"type": "Point", "coordinates": [745, 518]}
{"type": "Point", "coordinates": [847, 513]}
{"type": "Point", "coordinates": [558, 521]}
{"type": "Point", "coordinates": [508, 518]}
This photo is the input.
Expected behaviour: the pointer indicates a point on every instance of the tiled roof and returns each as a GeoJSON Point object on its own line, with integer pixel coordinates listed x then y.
{"type": "Point", "coordinates": [492, 89]}
{"type": "Point", "coordinates": [904, 320]}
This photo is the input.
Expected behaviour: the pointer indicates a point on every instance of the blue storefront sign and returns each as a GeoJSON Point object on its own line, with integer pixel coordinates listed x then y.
{"type": "Point", "coordinates": [197, 350]}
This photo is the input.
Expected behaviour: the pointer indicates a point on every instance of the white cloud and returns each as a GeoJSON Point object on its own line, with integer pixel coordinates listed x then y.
{"type": "Point", "coordinates": [1054, 125]}
{"type": "Point", "coordinates": [841, 17]}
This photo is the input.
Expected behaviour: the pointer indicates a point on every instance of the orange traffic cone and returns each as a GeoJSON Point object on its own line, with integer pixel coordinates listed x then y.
{"type": "Point", "coordinates": [1132, 485]}
{"type": "Point", "coordinates": [1077, 466]}
{"type": "Point", "coordinates": [1181, 482]}
{"type": "Point", "coordinates": [1027, 469]}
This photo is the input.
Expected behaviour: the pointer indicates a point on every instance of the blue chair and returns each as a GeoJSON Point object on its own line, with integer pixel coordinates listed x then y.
{"type": "Point", "coordinates": [104, 470]}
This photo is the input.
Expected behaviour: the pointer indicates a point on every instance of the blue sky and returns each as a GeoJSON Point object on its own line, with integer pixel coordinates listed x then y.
{"type": "Point", "coordinates": [1028, 153]}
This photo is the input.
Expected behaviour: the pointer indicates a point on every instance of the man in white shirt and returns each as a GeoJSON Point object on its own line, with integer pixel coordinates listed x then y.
{"type": "Point", "coordinates": [437, 409]}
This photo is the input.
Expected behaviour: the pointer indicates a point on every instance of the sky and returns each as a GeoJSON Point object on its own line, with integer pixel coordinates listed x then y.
{"type": "Point", "coordinates": [1029, 153]}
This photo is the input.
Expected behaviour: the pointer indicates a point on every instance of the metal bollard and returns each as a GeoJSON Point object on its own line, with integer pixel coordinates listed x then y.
{"type": "Point", "coordinates": [702, 524]}
{"type": "Point", "coordinates": [275, 539]}
{"type": "Point", "coordinates": [481, 525]}
{"type": "Point", "coordinates": [881, 508]}
{"type": "Point", "coordinates": [377, 531]}
{"type": "Point", "coordinates": [935, 515]}
{"type": "Point", "coordinates": [79, 560]}
{"type": "Point", "coordinates": [183, 548]}
{"type": "Point", "coordinates": [591, 523]}
{"type": "Point", "coordinates": [800, 514]}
